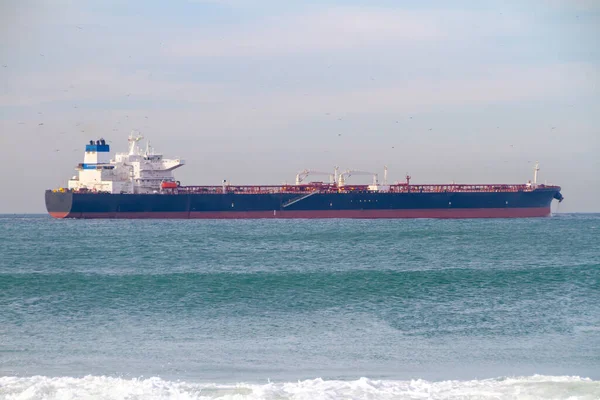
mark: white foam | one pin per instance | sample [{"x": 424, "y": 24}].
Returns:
[{"x": 101, "y": 387}]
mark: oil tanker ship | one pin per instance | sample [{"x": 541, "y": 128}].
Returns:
[{"x": 141, "y": 184}]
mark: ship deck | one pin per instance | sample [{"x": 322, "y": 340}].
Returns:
[{"x": 333, "y": 188}]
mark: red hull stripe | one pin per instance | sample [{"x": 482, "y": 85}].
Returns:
[
  {"x": 59, "y": 214},
  {"x": 428, "y": 213}
]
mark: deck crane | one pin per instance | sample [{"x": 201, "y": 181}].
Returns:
[
  {"x": 349, "y": 172},
  {"x": 303, "y": 174}
]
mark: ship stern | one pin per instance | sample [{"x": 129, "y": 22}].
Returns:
[{"x": 59, "y": 203}]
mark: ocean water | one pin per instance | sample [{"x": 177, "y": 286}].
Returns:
[{"x": 300, "y": 309}]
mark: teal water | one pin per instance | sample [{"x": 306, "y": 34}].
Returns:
[{"x": 324, "y": 302}]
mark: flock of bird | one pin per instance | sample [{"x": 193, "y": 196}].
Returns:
[
  {"x": 146, "y": 117},
  {"x": 512, "y": 146}
]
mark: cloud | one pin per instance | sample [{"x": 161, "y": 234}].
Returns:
[
  {"x": 336, "y": 29},
  {"x": 103, "y": 84},
  {"x": 578, "y": 5},
  {"x": 498, "y": 86},
  {"x": 395, "y": 94}
]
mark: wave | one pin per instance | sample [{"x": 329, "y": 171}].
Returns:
[{"x": 103, "y": 387}]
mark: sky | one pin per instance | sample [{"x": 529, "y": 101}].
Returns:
[{"x": 255, "y": 91}]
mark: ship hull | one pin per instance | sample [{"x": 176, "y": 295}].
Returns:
[{"x": 289, "y": 205}]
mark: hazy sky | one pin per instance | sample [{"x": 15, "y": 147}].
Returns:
[{"x": 254, "y": 91}]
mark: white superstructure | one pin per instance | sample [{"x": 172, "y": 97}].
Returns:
[{"x": 138, "y": 171}]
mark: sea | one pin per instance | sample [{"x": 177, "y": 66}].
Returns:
[{"x": 300, "y": 309}]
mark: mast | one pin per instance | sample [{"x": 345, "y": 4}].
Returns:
[
  {"x": 133, "y": 140},
  {"x": 535, "y": 172},
  {"x": 336, "y": 172},
  {"x": 385, "y": 175}
]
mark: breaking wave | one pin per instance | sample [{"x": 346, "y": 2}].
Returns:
[{"x": 102, "y": 387}]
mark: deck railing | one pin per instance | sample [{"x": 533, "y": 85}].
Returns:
[{"x": 330, "y": 188}]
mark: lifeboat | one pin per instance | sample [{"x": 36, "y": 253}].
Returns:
[{"x": 168, "y": 185}]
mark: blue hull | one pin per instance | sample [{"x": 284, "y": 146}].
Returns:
[{"x": 534, "y": 203}]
